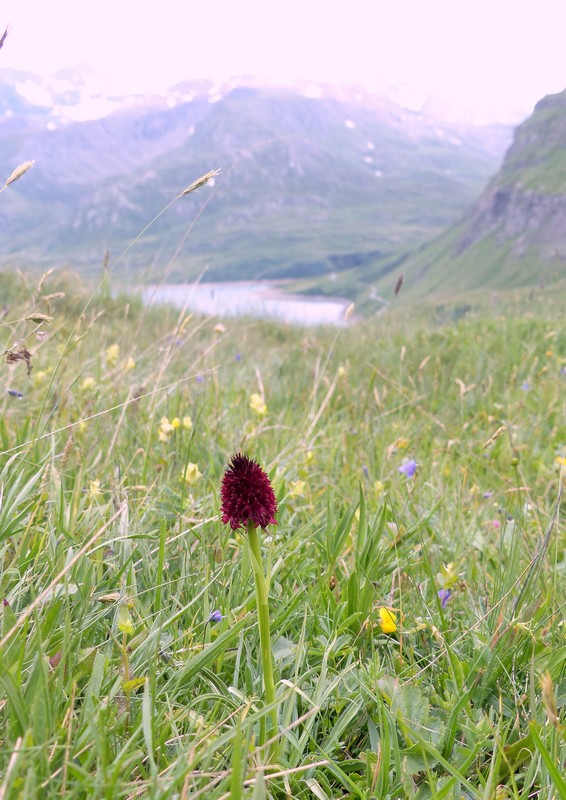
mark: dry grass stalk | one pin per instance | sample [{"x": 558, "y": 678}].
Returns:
[
  {"x": 18, "y": 172},
  {"x": 202, "y": 181},
  {"x": 3, "y": 38}
]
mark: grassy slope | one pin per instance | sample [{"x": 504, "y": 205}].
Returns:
[
  {"x": 537, "y": 159},
  {"x": 534, "y": 165},
  {"x": 111, "y": 683}
]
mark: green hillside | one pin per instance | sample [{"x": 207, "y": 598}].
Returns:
[
  {"x": 416, "y": 570},
  {"x": 515, "y": 235}
]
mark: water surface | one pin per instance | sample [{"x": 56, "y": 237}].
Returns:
[{"x": 249, "y": 298}]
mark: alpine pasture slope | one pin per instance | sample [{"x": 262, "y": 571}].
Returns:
[
  {"x": 415, "y": 577},
  {"x": 416, "y": 572}
]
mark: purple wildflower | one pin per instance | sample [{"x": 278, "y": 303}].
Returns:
[
  {"x": 15, "y": 393},
  {"x": 526, "y": 386},
  {"x": 444, "y": 596},
  {"x": 247, "y": 495},
  {"x": 216, "y": 616},
  {"x": 487, "y": 495},
  {"x": 408, "y": 468}
]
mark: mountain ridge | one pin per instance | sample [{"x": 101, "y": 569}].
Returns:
[
  {"x": 306, "y": 184},
  {"x": 515, "y": 233}
]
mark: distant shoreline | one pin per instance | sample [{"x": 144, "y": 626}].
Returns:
[{"x": 264, "y": 299}]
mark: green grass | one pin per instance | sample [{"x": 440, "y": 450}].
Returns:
[{"x": 113, "y": 685}]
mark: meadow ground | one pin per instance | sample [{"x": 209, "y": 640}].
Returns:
[{"x": 417, "y": 571}]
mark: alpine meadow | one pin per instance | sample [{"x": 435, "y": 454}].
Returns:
[{"x": 241, "y": 558}]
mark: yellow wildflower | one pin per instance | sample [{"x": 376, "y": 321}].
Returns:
[
  {"x": 187, "y": 423},
  {"x": 165, "y": 425},
  {"x": 309, "y": 458},
  {"x": 165, "y": 429},
  {"x": 112, "y": 355},
  {"x": 257, "y": 404},
  {"x": 387, "y": 620},
  {"x": 124, "y": 620},
  {"x": 130, "y": 364},
  {"x": 297, "y": 489},
  {"x": 448, "y": 577},
  {"x": 94, "y": 490},
  {"x": 175, "y": 423},
  {"x": 88, "y": 384},
  {"x": 560, "y": 461},
  {"x": 191, "y": 473},
  {"x": 219, "y": 328}
]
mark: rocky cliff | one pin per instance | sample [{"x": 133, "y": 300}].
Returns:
[
  {"x": 515, "y": 233},
  {"x": 525, "y": 204}
]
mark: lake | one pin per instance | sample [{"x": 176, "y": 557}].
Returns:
[{"x": 249, "y": 298}]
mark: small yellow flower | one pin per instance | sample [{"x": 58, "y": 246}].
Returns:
[
  {"x": 448, "y": 577},
  {"x": 191, "y": 473},
  {"x": 88, "y": 384},
  {"x": 341, "y": 371},
  {"x": 257, "y": 404},
  {"x": 187, "y": 423},
  {"x": 175, "y": 423},
  {"x": 165, "y": 425},
  {"x": 297, "y": 489},
  {"x": 560, "y": 461},
  {"x": 112, "y": 355},
  {"x": 130, "y": 364},
  {"x": 124, "y": 620},
  {"x": 378, "y": 487},
  {"x": 219, "y": 328},
  {"x": 94, "y": 490},
  {"x": 402, "y": 443},
  {"x": 40, "y": 376},
  {"x": 309, "y": 458},
  {"x": 387, "y": 620},
  {"x": 165, "y": 429}
]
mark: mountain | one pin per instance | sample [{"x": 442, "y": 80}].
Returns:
[
  {"x": 515, "y": 234},
  {"x": 314, "y": 180}
]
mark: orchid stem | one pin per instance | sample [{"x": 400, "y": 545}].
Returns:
[{"x": 264, "y": 631}]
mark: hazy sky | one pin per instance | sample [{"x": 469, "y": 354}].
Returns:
[{"x": 482, "y": 56}]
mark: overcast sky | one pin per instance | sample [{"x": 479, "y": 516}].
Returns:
[{"x": 484, "y": 57}]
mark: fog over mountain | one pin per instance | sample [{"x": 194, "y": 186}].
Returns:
[{"x": 314, "y": 179}]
